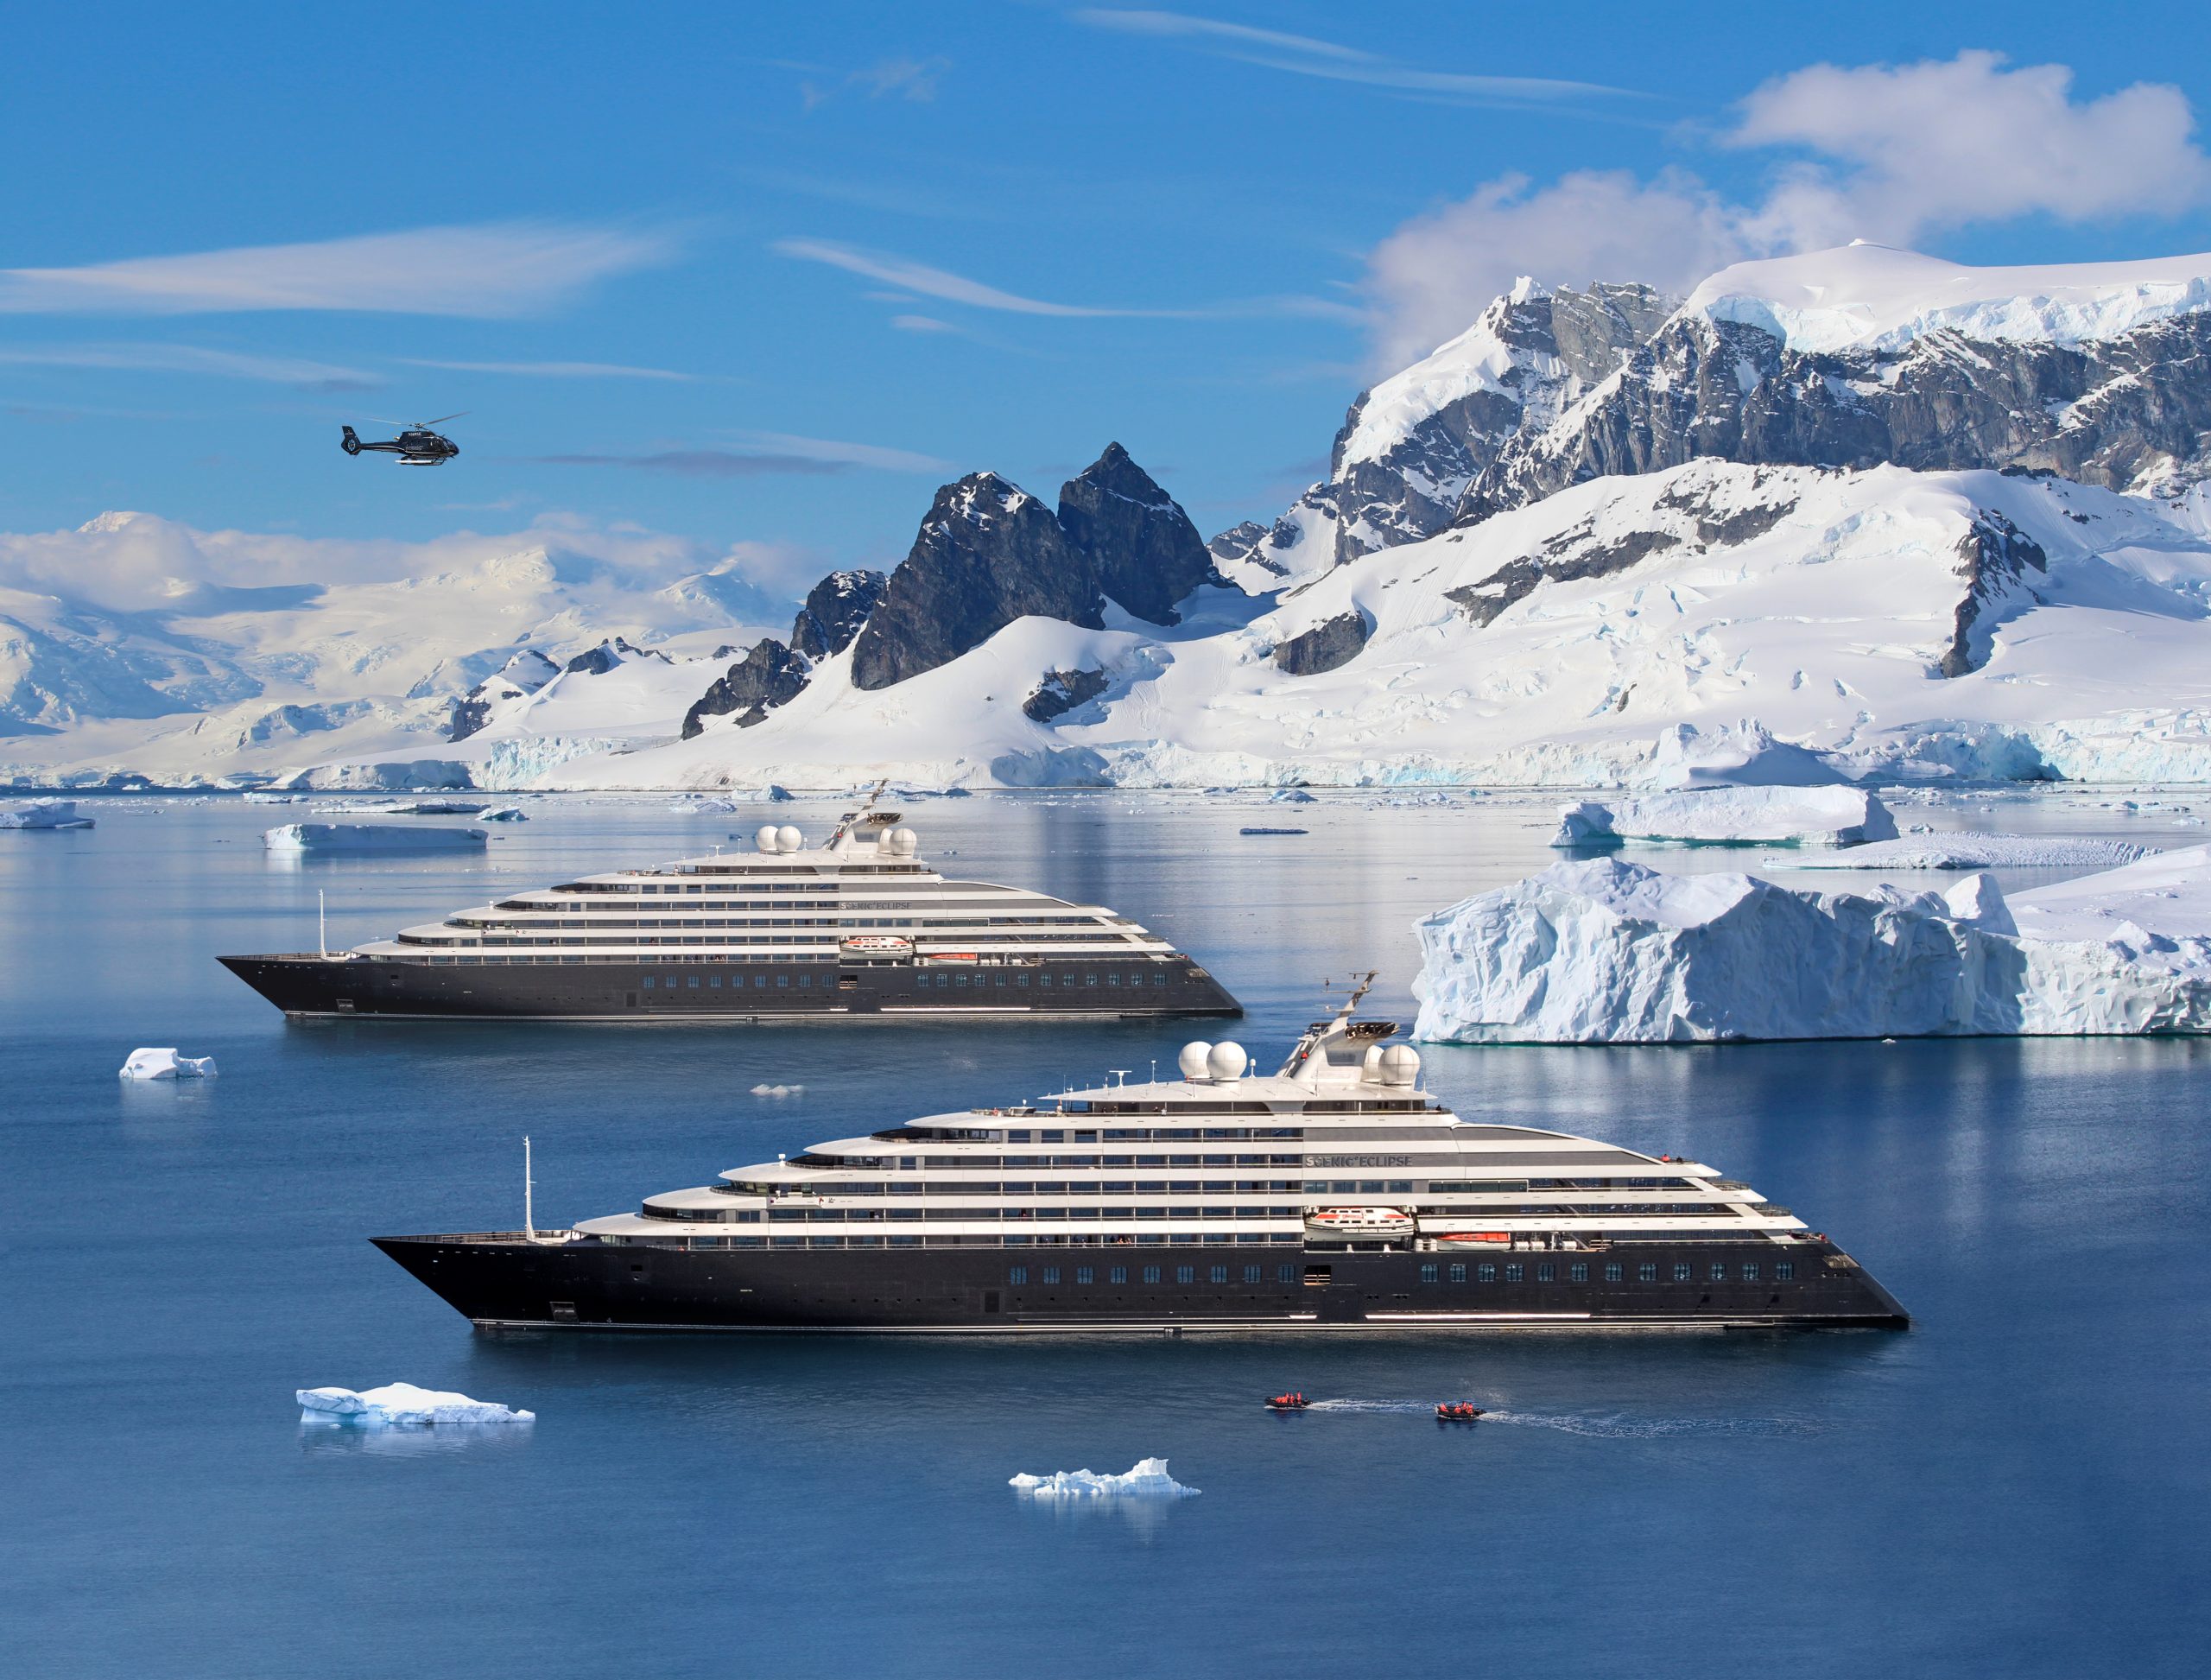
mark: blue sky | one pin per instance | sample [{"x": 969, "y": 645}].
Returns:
[{"x": 767, "y": 275}]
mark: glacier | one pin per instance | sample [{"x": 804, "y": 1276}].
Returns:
[
  {"x": 1147, "y": 1479},
  {"x": 401, "y": 1404},
  {"x": 1606, "y": 951}
]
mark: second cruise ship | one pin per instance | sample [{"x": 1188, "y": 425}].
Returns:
[{"x": 857, "y": 925}]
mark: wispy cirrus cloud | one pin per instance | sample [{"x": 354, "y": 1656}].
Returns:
[
  {"x": 1305, "y": 56},
  {"x": 925, "y": 279},
  {"x": 489, "y": 270},
  {"x": 556, "y": 370},
  {"x": 763, "y": 454},
  {"x": 191, "y": 358}
]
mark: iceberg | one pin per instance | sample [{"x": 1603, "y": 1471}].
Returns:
[
  {"x": 320, "y": 839},
  {"x": 1148, "y": 1479},
  {"x": 45, "y": 813},
  {"x": 764, "y": 1090},
  {"x": 504, "y": 814},
  {"x": 165, "y": 1064},
  {"x": 1604, "y": 952},
  {"x": 1731, "y": 816},
  {"x": 1973, "y": 852},
  {"x": 1743, "y": 755},
  {"x": 401, "y": 1404}
]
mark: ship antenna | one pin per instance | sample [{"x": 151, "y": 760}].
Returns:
[
  {"x": 1120, "y": 1076},
  {"x": 529, "y": 1211},
  {"x": 322, "y": 925}
]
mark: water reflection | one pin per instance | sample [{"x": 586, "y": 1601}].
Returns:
[{"x": 411, "y": 1440}]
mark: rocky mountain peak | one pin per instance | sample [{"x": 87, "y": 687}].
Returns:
[
  {"x": 834, "y": 612},
  {"x": 1147, "y": 553}
]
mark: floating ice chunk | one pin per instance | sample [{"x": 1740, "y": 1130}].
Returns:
[
  {"x": 1289, "y": 796},
  {"x": 777, "y": 1090},
  {"x": 1610, "y": 952},
  {"x": 1731, "y": 816},
  {"x": 165, "y": 1064},
  {"x": 1147, "y": 1479},
  {"x": 504, "y": 814},
  {"x": 1924, "y": 849},
  {"x": 259, "y": 797},
  {"x": 1742, "y": 756},
  {"x": 320, "y": 838},
  {"x": 45, "y": 813},
  {"x": 401, "y": 1404}
]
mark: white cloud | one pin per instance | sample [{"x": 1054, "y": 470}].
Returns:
[
  {"x": 855, "y": 454},
  {"x": 1896, "y": 154},
  {"x": 495, "y": 269},
  {"x": 554, "y": 370},
  {"x": 909, "y": 79},
  {"x": 1305, "y": 56},
  {"x": 764, "y": 454},
  {"x": 191, "y": 358}
]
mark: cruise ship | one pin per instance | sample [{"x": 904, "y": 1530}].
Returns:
[
  {"x": 855, "y": 926},
  {"x": 1336, "y": 1194}
]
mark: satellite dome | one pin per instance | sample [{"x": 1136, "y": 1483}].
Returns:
[
  {"x": 765, "y": 839},
  {"x": 1227, "y": 1060},
  {"x": 905, "y": 840},
  {"x": 1400, "y": 1064},
  {"x": 1192, "y": 1061},
  {"x": 1370, "y": 1066},
  {"x": 788, "y": 839}
]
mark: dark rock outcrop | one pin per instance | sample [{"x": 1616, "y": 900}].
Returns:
[
  {"x": 1332, "y": 643},
  {"x": 1994, "y": 557},
  {"x": 988, "y": 553},
  {"x": 2126, "y": 412},
  {"x": 597, "y": 662},
  {"x": 1146, "y": 554},
  {"x": 770, "y": 675},
  {"x": 524, "y": 674},
  {"x": 835, "y": 609},
  {"x": 1061, "y": 692}
]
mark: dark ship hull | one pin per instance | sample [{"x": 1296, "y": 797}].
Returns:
[
  {"x": 351, "y": 987},
  {"x": 502, "y": 1280}
]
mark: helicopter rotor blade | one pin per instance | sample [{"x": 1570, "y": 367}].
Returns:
[{"x": 442, "y": 418}]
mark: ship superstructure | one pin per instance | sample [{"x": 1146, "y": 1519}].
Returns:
[
  {"x": 856, "y": 925},
  {"x": 1335, "y": 1192}
]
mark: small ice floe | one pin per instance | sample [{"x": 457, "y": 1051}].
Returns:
[
  {"x": 165, "y": 1064},
  {"x": 1271, "y": 831},
  {"x": 504, "y": 814},
  {"x": 1289, "y": 796},
  {"x": 258, "y": 796},
  {"x": 1147, "y": 1479},
  {"x": 45, "y": 813},
  {"x": 777, "y": 1090},
  {"x": 330, "y": 838},
  {"x": 401, "y": 1404}
]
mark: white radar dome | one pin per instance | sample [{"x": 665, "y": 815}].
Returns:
[
  {"x": 904, "y": 839},
  {"x": 766, "y": 838},
  {"x": 1227, "y": 1060},
  {"x": 788, "y": 839},
  {"x": 1400, "y": 1064},
  {"x": 1370, "y": 1066},
  {"x": 1192, "y": 1061}
]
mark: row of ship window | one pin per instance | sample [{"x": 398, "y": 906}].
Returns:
[
  {"x": 942, "y": 977},
  {"x": 1577, "y": 1272},
  {"x": 963, "y": 924}
]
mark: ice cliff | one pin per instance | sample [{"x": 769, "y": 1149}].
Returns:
[{"x": 1610, "y": 952}]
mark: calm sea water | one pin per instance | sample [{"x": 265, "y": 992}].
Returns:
[{"x": 2020, "y": 1486}]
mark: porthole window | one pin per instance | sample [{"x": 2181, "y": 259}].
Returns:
[
  {"x": 1750, "y": 1272},
  {"x": 1428, "y": 1274},
  {"x": 1720, "y": 1271},
  {"x": 1185, "y": 1274},
  {"x": 1051, "y": 1274},
  {"x": 1458, "y": 1274},
  {"x": 1647, "y": 1272},
  {"x": 1251, "y": 1274},
  {"x": 1546, "y": 1273},
  {"x": 1514, "y": 1273},
  {"x": 1118, "y": 1275},
  {"x": 1784, "y": 1270},
  {"x": 1578, "y": 1272},
  {"x": 1612, "y": 1271},
  {"x": 1285, "y": 1274},
  {"x": 1485, "y": 1273},
  {"x": 1019, "y": 1275},
  {"x": 1682, "y": 1269},
  {"x": 1220, "y": 1274},
  {"x": 1082, "y": 1274},
  {"x": 1152, "y": 1274}
]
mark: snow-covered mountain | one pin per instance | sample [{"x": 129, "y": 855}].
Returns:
[{"x": 1918, "y": 519}]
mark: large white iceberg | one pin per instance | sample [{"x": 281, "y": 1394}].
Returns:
[
  {"x": 157, "y": 1063},
  {"x": 1610, "y": 952},
  {"x": 1148, "y": 1479},
  {"x": 321, "y": 838},
  {"x": 1731, "y": 816},
  {"x": 404, "y": 1404},
  {"x": 1743, "y": 755},
  {"x": 45, "y": 813}
]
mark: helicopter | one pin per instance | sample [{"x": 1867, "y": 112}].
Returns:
[{"x": 415, "y": 446}]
